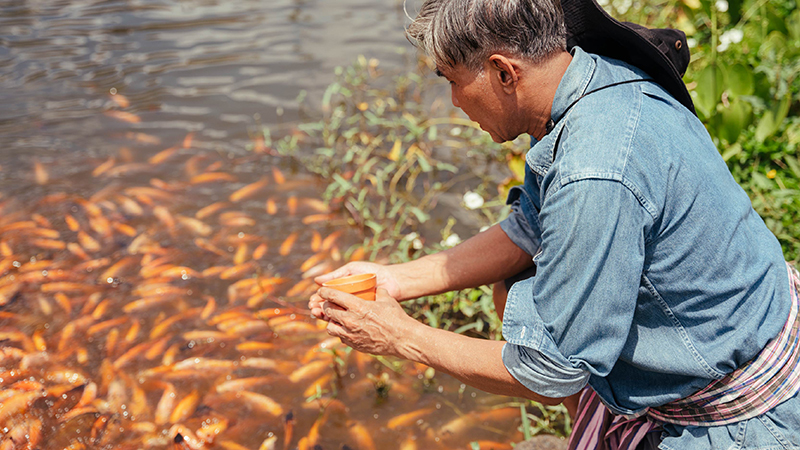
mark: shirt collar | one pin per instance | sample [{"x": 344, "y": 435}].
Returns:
[{"x": 573, "y": 84}]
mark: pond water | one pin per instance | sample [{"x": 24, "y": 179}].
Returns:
[{"x": 155, "y": 257}]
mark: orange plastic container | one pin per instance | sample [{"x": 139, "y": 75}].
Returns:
[{"x": 362, "y": 286}]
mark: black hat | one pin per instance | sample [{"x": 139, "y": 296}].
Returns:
[{"x": 662, "y": 53}]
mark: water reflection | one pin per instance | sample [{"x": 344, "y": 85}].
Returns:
[{"x": 155, "y": 260}]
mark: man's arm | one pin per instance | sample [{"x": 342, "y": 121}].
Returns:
[
  {"x": 485, "y": 258},
  {"x": 382, "y": 328}
]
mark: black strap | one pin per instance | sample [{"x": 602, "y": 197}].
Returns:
[{"x": 551, "y": 124}]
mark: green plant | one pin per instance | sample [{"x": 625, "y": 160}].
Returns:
[{"x": 743, "y": 78}]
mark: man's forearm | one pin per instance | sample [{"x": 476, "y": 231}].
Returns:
[
  {"x": 486, "y": 258},
  {"x": 476, "y": 362}
]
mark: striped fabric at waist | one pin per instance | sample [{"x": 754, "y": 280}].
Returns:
[{"x": 758, "y": 386}]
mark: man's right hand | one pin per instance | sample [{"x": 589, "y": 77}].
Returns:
[{"x": 385, "y": 279}]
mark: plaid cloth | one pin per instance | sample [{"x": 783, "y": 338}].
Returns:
[
  {"x": 597, "y": 428},
  {"x": 751, "y": 390}
]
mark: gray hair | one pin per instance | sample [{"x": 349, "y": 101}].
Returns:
[{"x": 466, "y": 32}]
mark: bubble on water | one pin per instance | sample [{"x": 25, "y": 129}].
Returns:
[
  {"x": 191, "y": 344},
  {"x": 241, "y": 235},
  {"x": 112, "y": 91},
  {"x": 184, "y": 277},
  {"x": 109, "y": 280},
  {"x": 33, "y": 259},
  {"x": 17, "y": 264},
  {"x": 438, "y": 406},
  {"x": 44, "y": 273},
  {"x": 352, "y": 375},
  {"x": 473, "y": 395},
  {"x": 374, "y": 416},
  {"x": 440, "y": 389}
]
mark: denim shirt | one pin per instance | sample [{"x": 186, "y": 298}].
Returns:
[{"x": 655, "y": 276}]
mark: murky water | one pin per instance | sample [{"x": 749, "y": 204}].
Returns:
[{"x": 155, "y": 261}]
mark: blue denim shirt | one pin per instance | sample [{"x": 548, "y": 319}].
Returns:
[{"x": 655, "y": 276}]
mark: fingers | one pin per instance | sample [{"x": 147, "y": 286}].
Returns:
[
  {"x": 382, "y": 295},
  {"x": 344, "y": 300},
  {"x": 338, "y": 273}
]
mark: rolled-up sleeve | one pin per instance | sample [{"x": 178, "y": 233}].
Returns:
[
  {"x": 571, "y": 321},
  {"x": 522, "y": 224}
]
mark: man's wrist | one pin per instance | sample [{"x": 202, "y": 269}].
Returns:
[{"x": 408, "y": 345}]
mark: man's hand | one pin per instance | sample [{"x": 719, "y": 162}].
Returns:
[
  {"x": 370, "y": 327},
  {"x": 385, "y": 280}
]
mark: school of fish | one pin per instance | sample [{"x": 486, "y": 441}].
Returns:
[{"x": 166, "y": 309}]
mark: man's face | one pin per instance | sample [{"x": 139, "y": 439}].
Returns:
[{"x": 482, "y": 100}]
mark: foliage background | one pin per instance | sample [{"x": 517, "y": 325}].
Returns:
[{"x": 395, "y": 162}]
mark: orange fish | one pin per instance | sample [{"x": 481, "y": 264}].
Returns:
[
  {"x": 196, "y": 226},
  {"x": 241, "y": 254},
  {"x": 260, "y": 251},
  {"x": 49, "y": 244},
  {"x": 272, "y": 207},
  {"x": 40, "y": 173},
  {"x": 316, "y": 241},
  {"x": 211, "y": 177},
  {"x": 313, "y": 260},
  {"x": 120, "y": 100},
  {"x": 278, "y": 176},
  {"x": 288, "y": 243},
  {"x": 102, "y": 168},
  {"x": 211, "y": 209},
  {"x": 248, "y": 191},
  {"x": 291, "y": 203},
  {"x": 185, "y": 408},
  {"x": 163, "y": 155},
  {"x": 314, "y": 218}
]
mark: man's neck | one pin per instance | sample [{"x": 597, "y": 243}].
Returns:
[{"x": 542, "y": 83}]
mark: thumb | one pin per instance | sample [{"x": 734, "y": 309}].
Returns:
[
  {"x": 382, "y": 295},
  {"x": 338, "y": 273}
]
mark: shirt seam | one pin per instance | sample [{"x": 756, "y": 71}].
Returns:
[
  {"x": 678, "y": 326},
  {"x": 606, "y": 176}
]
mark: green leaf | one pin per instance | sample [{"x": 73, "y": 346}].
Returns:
[
  {"x": 772, "y": 119},
  {"x": 734, "y": 119},
  {"x": 423, "y": 162},
  {"x": 710, "y": 83},
  {"x": 741, "y": 80},
  {"x": 467, "y": 327},
  {"x": 735, "y": 10},
  {"x": 732, "y": 151}
]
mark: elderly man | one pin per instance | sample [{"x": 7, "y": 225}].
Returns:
[{"x": 659, "y": 293}]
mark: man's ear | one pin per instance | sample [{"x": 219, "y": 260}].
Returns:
[{"x": 506, "y": 72}]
